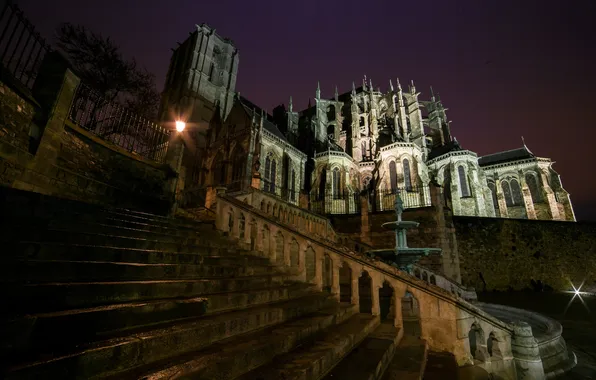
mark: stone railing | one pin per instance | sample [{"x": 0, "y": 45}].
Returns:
[
  {"x": 555, "y": 357},
  {"x": 444, "y": 320},
  {"x": 285, "y": 212},
  {"x": 444, "y": 283}
]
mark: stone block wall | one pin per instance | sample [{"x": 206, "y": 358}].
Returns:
[
  {"x": 67, "y": 161},
  {"x": 502, "y": 254},
  {"x": 16, "y": 116}
]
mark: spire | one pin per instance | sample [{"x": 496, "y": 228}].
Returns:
[
  {"x": 391, "y": 85},
  {"x": 398, "y": 85},
  {"x": 412, "y": 88},
  {"x": 318, "y": 90},
  {"x": 336, "y": 94},
  {"x": 432, "y": 94},
  {"x": 371, "y": 86},
  {"x": 353, "y": 88},
  {"x": 254, "y": 113},
  {"x": 525, "y": 146},
  {"x": 364, "y": 83},
  {"x": 290, "y": 105}
]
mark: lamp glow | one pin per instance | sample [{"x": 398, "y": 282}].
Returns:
[{"x": 180, "y": 125}]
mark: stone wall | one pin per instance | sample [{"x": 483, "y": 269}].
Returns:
[
  {"x": 502, "y": 254},
  {"x": 42, "y": 151}
]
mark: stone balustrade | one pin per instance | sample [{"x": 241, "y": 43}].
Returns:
[
  {"x": 444, "y": 283},
  {"x": 285, "y": 212},
  {"x": 419, "y": 308}
]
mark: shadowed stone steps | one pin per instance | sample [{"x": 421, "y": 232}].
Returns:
[
  {"x": 409, "y": 360},
  {"x": 91, "y": 323},
  {"x": 56, "y": 296},
  {"x": 134, "y": 350},
  {"x": 204, "y": 254},
  {"x": 370, "y": 359},
  {"x": 315, "y": 359},
  {"x": 39, "y": 271},
  {"x": 233, "y": 357}
]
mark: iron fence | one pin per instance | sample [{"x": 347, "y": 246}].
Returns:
[
  {"x": 289, "y": 195},
  {"x": 118, "y": 125},
  {"x": 350, "y": 202},
  {"x": 21, "y": 47}
]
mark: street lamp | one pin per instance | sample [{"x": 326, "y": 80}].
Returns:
[{"x": 180, "y": 125}]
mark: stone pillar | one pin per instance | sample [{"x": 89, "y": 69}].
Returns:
[
  {"x": 355, "y": 291},
  {"x": 528, "y": 201},
  {"x": 54, "y": 89},
  {"x": 364, "y": 220},
  {"x": 526, "y": 355},
  {"x": 455, "y": 192},
  {"x": 336, "y": 265},
  {"x": 502, "y": 203},
  {"x": 399, "y": 319},
  {"x": 375, "y": 286},
  {"x": 256, "y": 181}
]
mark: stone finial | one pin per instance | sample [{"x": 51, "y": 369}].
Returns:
[
  {"x": 353, "y": 88},
  {"x": 391, "y": 85},
  {"x": 432, "y": 94},
  {"x": 290, "y": 105},
  {"x": 336, "y": 93},
  {"x": 412, "y": 88},
  {"x": 318, "y": 90},
  {"x": 398, "y": 85},
  {"x": 370, "y": 83},
  {"x": 254, "y": 113}
]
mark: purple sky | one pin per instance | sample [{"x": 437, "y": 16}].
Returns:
[{"x": 504, "y": 68}]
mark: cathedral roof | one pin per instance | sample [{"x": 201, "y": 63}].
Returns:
[
  {"x": 506, "y": 156},
  {"x": 251, "y": 109},
  {"x": 451, "y": 146}
]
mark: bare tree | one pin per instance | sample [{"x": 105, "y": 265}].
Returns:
[{"x": 100, "y": 64}]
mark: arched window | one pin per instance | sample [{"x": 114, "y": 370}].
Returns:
[
  {"x": 532, "y": 182},
  {"x": 273, "y": 175},
  {"x": 267, "y": 171},
  {"x": 238, "y": 166},
  {"x": 507, "y": 193},
  {"x": 407, "y": 176},
  {"x": 362, "y": 123},
  {"x": 219, "y": 170},
  {"x": 336, "y": 183},
  {"x": 331, "y": 113},
  {"x": 293, "y": 185},
  {"x": 516, "y": 193},
  {"x": 463, "y": 181},
  {"x": 493, "y": 191},
  {"x": 393, "y": 175}
]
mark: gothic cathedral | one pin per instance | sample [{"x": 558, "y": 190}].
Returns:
[{"x": 363, "y": 141}]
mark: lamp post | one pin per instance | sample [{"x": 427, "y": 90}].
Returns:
[{"x": 174, "y": 160}]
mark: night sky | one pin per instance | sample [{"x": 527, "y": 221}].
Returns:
[{"x": 504, "y": 69}]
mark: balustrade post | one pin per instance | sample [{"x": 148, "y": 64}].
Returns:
[{"x": 335, "y": 288}]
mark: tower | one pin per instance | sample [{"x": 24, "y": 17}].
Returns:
[{"x": 202, "y": 74}]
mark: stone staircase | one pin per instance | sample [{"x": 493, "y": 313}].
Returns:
[{"x": 92, "y": 292}]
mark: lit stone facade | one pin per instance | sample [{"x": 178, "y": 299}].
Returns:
[{"x": 364, "y": 139}]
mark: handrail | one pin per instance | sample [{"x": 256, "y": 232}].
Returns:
[{"x": 373, "y": 264}]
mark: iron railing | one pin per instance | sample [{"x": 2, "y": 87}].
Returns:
[
  {"x": 21, "y": 47},
  {"x": 350, "y": 202},
  {"x": 118, "y": 125}
]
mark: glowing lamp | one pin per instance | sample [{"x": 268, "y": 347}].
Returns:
[{"x": 180, "y": 125}]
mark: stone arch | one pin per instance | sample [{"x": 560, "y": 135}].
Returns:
[
  {"x": 417, "y": 273},
  {"x": 230, "y": 222},
  {"x": 327, "y": 273},
  {"x": 266, "y": 235},
  {"x": 476, "y": 341},
  {"x": 241, "y": 226},
  {"x": 268, "y": 208},
  {"x": 279, "y": 247},
  {"x": 310, "y": 264},
  {"x": 345, "y": 283},
  {"x": 386, "y": 302},
  {"x": 253, "y": 234},
  {"x": 516, "y": 192},
  {"x": 294, "y": 254},
  {"x": 275, "y": 210},
  {"x": 263, "y": 205},
  {"x": 365, "y": 292},
  {"x": 424, "y": 276},
  {"x": 410, "y": 311},
  {"x": 433, "y": 279},
  {"x": 533, "y": 185},
  {"x": 492, "y": 346}
]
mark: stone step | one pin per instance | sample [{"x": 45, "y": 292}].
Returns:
[
  {"x": 203, "y": 253},
  {"x": 150, "y": 242},
  {"x": 234, "y": 357},
  {"x": 56, "y": 296},
  {"x": 409, "y": 360},
  {"x": 314, "y": 359},
  {"x": 43, "y": 330},
  {"x": 140, "y": 348},
  {"x": 370, "y": 359},
  {"x": 43, "y": 271}
]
